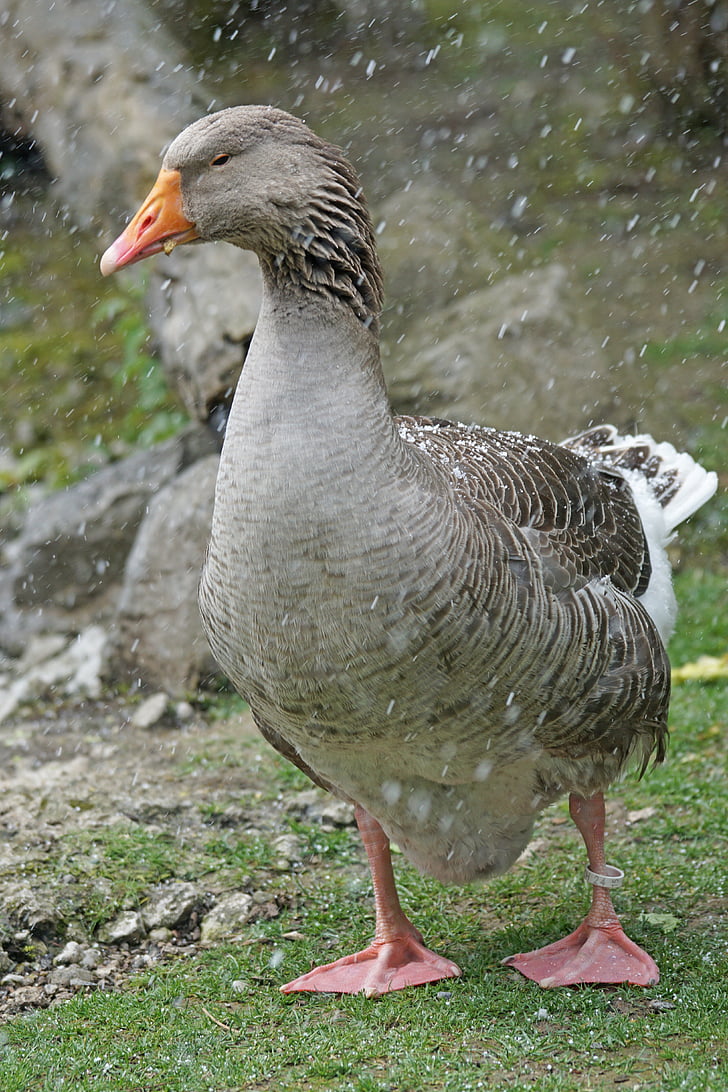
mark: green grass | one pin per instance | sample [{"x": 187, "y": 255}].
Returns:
[
  {"x": 112, "y": 868},
  {"x": 79, "y": 381},
  {"x": 216, "y": 1020}
]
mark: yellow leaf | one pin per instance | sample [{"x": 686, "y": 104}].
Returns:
[{"x": 704, "y": 668}]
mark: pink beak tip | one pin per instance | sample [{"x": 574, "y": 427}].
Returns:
[{"x": 109, "y": 261}]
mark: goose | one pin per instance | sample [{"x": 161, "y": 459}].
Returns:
[{"x": 447, "y": 625}]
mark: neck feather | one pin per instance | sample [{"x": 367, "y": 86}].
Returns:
[
  {"x": 330, "y": 249},
  {"x": 312, "y": 363}
]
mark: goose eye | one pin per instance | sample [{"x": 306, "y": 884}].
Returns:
[{"x": 219, "y": 160}]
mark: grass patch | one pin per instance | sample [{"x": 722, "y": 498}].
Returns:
[
  {"x": 81, "y": 385},
  {"x": 113, "y": 867},
  {"x": 186, "y": 1026}
]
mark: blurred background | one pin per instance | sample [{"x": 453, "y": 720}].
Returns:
[{"x": 548, "y": 183}]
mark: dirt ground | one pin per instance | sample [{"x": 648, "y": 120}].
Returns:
[{"x": 75, "y": 778}]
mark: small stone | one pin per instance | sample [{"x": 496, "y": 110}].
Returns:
[
  {"x": 28, "y": 997},
  {"x": 76, "y": 931},
  {"x": 162, "y": 935},
  {"x": 641, "y": 814},
  {"x": 335, "y": 811},
  {"x": 150, "y": 711},
  {"x": 73, "y": 952},
  {"x": 183, "y": 710},
  {"x": 127, "y": 926},
  {"x": 227, "y": 918},
  {"x": 82, "y": 978},
  {"x": 72, "y": 975},
  {"x": 170, "y": 905},
  {"x": 302, "y": 802},
  {"x": 319, "y": 807},
  {"x": 289, "y": 849}
]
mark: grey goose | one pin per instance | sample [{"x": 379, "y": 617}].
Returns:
[{"x": 447, "y": 625}]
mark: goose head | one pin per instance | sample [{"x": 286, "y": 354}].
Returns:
[{"x": 259, "y": 178}]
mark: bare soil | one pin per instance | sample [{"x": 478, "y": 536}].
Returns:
[{"x": 70, "y": 777}]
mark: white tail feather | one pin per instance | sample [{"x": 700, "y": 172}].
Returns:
[{"x": 668, "y": 486}]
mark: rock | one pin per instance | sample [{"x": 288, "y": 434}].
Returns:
[
  {"x": 423, "y": 227},
  {"x": 72, "y": 975},
  {"x": 32, "y": 911},
  {"x": 150, "y": 711},
  {"x": 28, "y": 997},
  {"x": 288, "y": 848},
  {"x": 75, "y": 671},
  {"x": 160, "y": 633},
  {"x": 161, "y": 935},
  {"x": 67, "y": 68},
  {"x": 91, "y": 959},
  {"x": 64, "y": 569},
  {"x": 266, "y": 906},
  {"x": 227, "y": 918},
  {"x": 315, "y": 806},
  {"x": 640, "y": 814},
  {"x": 74, "y": 929},
  {"x": 203, "y": 306},
  {"x": 126, "y": 927},
  {"x": 40, "y": 649},
  {"x": 73, "y": 952},
  {"x": 514, "y": 355},
  {"x": 170, "y": 905},
  {"x": 335, "y": 812}
]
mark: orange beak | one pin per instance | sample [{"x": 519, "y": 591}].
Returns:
[{"x": 160, "y": 224}]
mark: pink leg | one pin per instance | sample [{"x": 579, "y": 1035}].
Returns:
[
  {"x": 598, "y": 950},
  {"x": 396, "y": 957}
]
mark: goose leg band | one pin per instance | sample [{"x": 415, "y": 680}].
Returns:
[{"x": 613, "y": 877}]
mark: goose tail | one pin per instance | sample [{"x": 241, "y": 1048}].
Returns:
[
  {"x": 679, "y": 484},
  {"x": 668, "y": 486}
]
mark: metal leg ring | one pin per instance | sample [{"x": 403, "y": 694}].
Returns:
[{"x": 613, "y": 877}]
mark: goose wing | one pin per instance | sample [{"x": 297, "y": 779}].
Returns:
[{"x": 590, "y": 658}]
